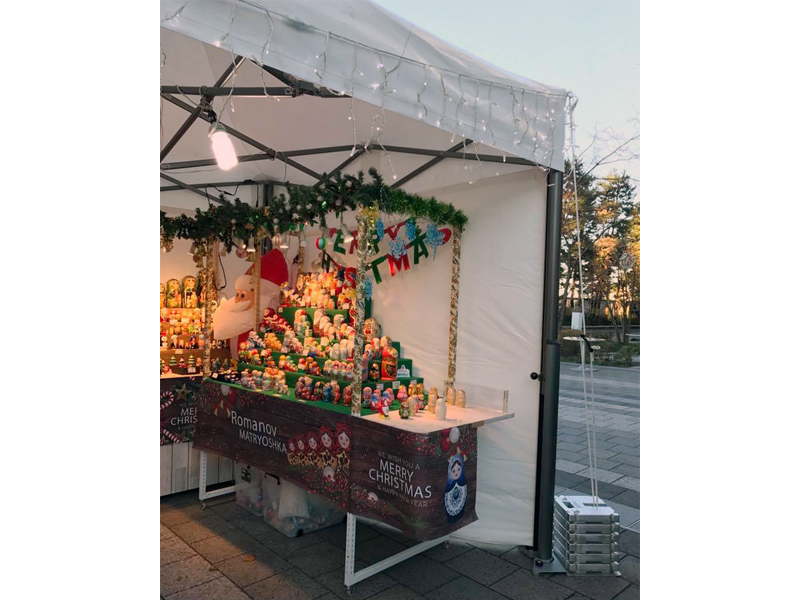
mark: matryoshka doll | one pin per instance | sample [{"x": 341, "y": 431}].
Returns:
[
  {"x": 461, "y": 398},
  {"x": 303, "y": 459},
  {"x": 163, "y": 296},
  {"x": 291, "y": 452},
  {"x": 342, "y": 446},
  {"x": 348, "y": 395},
  {"x": 388, "y": 361},
  {"x": 314, "y": 449},
  {"x": 326, "y": 451},
  {"x": 173, "y": 293},
  {"x": 190, "y": 299}
]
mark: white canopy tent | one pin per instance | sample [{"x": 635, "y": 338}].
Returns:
[{"x": 306, "y": 88}]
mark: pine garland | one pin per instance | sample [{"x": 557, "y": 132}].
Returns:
[{"x": 233, "y": 223}]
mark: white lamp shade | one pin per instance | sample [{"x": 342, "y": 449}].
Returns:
[{"x": 222, "y": 147}]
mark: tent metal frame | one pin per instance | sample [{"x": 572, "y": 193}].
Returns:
[{"x": 550, "y": 355}]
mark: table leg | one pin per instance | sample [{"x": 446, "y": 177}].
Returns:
[
  {"x": 351, "y": 576},
  {"x": 204, "y": 493}
]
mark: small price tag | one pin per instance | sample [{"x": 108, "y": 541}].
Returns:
[
  {"x": 280, "y": 309},
  {"x": 179, "y": 351},
  {"x": 395, "y": 385},
  {"x": 413, "y": 382},
  {"x": 213, "y": 376},
  {"x": 191, "y": 369},
  {"x": 379, "y": 387}
]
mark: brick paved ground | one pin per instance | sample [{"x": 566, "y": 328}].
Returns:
[{"x": 225, "y": 553}]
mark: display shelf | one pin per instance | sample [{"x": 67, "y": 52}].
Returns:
[
  {"x": 325, "y": 378},
  {"x": 287, "y": 312},
  {"x": 395, "y": 345},
  {"x": 339, "y": 408},
  {"x": 276, "y": 354},
  {"x": 425, "y": 422}
]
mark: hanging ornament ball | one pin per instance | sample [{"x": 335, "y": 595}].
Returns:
[
  {"x": 348, "y": 184},
  {"x": 321, "y": 243},
  {"x": 322, "y": 187},
  {"x": 319, "y": 198},
  {"x": 276, "y": 240},
  {"x": 276, "y": 220},
  {"x": 241, "y": 252}
]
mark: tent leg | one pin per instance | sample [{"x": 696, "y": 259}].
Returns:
[{"x": 549, "y": 375}]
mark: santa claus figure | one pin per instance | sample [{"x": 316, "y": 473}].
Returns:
[{"x": 234, "y": 319}]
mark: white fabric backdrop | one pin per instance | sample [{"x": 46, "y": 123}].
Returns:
[{"x": 499, "y": 332}]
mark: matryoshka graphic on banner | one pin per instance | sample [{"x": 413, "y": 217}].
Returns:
[{"x": 455, "y": 496}]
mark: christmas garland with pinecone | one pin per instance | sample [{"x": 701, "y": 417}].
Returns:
[{"x": 232, "y": 223}]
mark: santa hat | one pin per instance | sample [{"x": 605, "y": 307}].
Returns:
[{"x": 273, "y": 270}]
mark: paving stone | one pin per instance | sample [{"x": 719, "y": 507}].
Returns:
[
  {"x": 570, "y": 456},
  {"x": 441, "y": 553},
  {"x": 626, "y": 459},
  {"x": 392, "y": 533},
  {"x": 481, "y": 566},
  {"x": 629, "y": 542},
  {"x": 570, "y": 447},
  {"x": 249, "y": 523},
  {"x": 629, "y": 593},
  {"x": 287, "y": 585},
  {"x": 174, "y": 549},
  {"x": 199, "y": 529},
  {"x": 245, "y": 569},
  {"x": 334, "y": 581},
  {"x": 463, "y": 588},
  {"x": 318, "y": 558},
  {"x": 606, "y": 491},
  {"x": 572, "y": 439},
  {"x": 568, "y": 479},
  {"x": 377, "y": 549},
  {"x": 228, "y": 510},
  {"x": 496, "y": 549},
  {"x": 627, "y": 470},
  {"x": 629, "y": 567},
  {"x": 517, "y": 557},
  {"x": 602, "y": 463},
  {"x": 173, "y": 516},
  {"x": 421, "y": 574},
  {"x": 605, "y": 454},
  {"x": 628, "y": 498},
  {"x": 221, "y": 547},
  {"x": 569, "y": 466},
  {"x": 596, "y": 588},
  {"x": 523, "y": 585},
  {"x": 397, "y": 592},
  {"x": 186, "y": 573},
  {"x": 625, "y": 451},
  {"x": 632, "y": 483},
  {"x": 166, "y": 532},
  {"x": 600, "y": 474},
  {"x": 284, "y": 546},
  {"x": 217, "y": 589},
  {"x": 627, "y": 515},
  {"x": 337, "y": 535}
]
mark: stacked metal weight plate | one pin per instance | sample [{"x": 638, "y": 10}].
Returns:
[{"x": 586, "y": 536}]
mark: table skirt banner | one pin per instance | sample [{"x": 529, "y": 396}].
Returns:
[
  {"x": 423, "y": 484},
  {"x": 178, "y": 409}
]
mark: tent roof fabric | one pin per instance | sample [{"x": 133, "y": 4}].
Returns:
[{"x": 359, "y": 49}]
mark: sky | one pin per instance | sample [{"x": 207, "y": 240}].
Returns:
[{"x": 590, "y": 47}]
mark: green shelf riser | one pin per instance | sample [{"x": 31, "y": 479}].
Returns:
[
  {"x": 291, "y": 378},
  {"x": 338, "y": 408}
]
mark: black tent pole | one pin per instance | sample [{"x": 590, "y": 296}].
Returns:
[{"x": 548, "y": 376}]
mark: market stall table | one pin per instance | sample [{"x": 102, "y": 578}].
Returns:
[{"x": 417, "y": 474}]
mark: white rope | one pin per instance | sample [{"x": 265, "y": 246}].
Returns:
[{"x": 588, "y": 407}]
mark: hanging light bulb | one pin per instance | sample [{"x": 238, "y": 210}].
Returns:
[
  {"x": 284, "y": 242},
  {"x": 222, "y": 147},
  {"x": 251, "y": 245}
]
